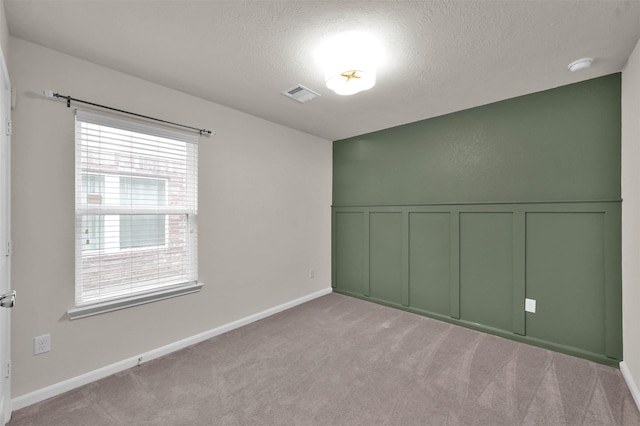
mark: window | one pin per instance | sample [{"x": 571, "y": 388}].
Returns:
[
  {"x": 136, "y": 209},
  {"x": 92, "y": 225},
  {"x": 134, "y": 230},
  {"x": 142, "y": 230}
]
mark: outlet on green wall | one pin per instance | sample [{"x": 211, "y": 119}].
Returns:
[{"x": 460, "y": 217}]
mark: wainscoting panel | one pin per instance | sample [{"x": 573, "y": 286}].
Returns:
[
  {"x": 430, "y": 262},
  {"x": 566, "y": 275},
  {"x": 474, "y": 264},
  {"x": 486, "y": 269},
  {"x": 350, "y": 252},
  {"x": 385, "y": 256}
]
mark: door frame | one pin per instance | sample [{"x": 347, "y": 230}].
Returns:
[{"x": 5, "y": 241}]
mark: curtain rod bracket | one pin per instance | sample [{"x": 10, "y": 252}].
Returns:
[{"x": 51, "y": 94}]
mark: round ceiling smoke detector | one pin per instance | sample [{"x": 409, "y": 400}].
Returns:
[{"x": 580, "y": 64}]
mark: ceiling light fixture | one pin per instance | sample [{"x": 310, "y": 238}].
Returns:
[
  {"x": 580, "y": 64},
  {"x": 349, "y": 61}
]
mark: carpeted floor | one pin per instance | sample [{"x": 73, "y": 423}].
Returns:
[{"x": 342, "y": 361}]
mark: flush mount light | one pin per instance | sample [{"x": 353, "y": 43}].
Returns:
[
  {"x": 349, "y": 61},
  {"x": 580, "y": 64}
]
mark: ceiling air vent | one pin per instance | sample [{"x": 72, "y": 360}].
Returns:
[{"x": 301, "y": 94}]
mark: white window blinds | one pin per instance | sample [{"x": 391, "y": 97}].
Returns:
[{"x": 136, "y": 208}]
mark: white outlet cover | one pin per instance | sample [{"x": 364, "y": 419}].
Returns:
[
  {"x": 530, "y": 305},
  {"x": 41, "y": 344}
]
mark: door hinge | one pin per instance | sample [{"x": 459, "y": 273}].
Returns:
[
  {"x": 8, "y": 252},
  {"x": 8, "y": 132},
  {"x": 7, "y": 371}
]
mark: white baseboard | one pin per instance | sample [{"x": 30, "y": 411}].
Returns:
[
  {"x": 75, "y": 382},
  {"x": 633, "y": 387}
]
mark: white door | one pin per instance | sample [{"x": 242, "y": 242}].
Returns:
[{"x": 5, "y": 244}]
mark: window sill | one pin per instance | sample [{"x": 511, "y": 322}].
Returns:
[{"x": 114, "y": 305}]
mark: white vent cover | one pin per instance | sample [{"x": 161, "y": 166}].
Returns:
[{"x": 301, "y": 94}]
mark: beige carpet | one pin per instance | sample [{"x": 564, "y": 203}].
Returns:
[{"x": 342, "y": 361}]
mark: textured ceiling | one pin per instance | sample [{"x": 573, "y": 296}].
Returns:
[{"x": 440, "y": 56}]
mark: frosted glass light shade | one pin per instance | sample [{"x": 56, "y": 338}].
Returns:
[
  {"x": 349, "y": 61},
  {"x": 351, "y": 82}
]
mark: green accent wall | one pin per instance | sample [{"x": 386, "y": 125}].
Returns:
[
  {"x": 461, "y": 217},
  {"x": 560, "y": 144}
]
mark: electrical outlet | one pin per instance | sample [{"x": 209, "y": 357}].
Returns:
[
  {"x": 530, "y": 305},
  {"x": 312, "y": 273},
  {"x": 41, "y": 344}
]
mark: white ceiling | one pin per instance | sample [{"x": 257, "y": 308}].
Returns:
[{"x": 441, "y": 56}]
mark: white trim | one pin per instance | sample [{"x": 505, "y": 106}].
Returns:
[
  {"x": 75, "y": 382},
  {"x": 5, "y": 73},
  {"x": 140, "y": 299},
  {"x": 5, "y": 119},
  {"x": 633, "y": 387}
]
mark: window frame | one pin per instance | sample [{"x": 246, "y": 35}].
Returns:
[{"x": 145, "y": 291}]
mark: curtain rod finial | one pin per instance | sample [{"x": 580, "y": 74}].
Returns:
[{"x": 48, "y": 93}]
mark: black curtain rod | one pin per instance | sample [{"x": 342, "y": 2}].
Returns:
[{"x": 51, "y": 94}]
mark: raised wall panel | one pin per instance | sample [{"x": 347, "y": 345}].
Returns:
[
  {"x": 429, "y": 261},
  {"x": 565, "y": 274},
  {"x": 349, "y": 256},
  {"x": 486, "y": 269},
  {"x": 385, "y": 256},
  {"x": 473, "y": 265}
]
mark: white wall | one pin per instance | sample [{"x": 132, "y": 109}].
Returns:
[
  {"x": 631, "y": 214},
  {"x": 264, "y": 218}
]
